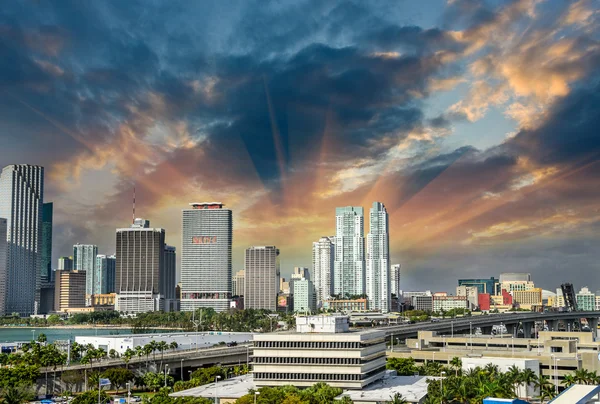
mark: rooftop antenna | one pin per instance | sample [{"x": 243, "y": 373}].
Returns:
[{"x": 133, "y": 215}]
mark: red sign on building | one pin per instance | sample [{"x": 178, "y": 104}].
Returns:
[{"x": 204, "y": 240}]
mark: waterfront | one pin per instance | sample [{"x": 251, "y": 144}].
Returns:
[{"x": 12, "y": 334}]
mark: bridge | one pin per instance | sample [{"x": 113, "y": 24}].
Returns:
[{"x": 485, "y": 322}]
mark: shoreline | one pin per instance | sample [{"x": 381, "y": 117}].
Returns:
[{"x": 88, "y": 326}]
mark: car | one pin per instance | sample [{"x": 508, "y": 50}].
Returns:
[
  {"x": 136, "y": 399},
  {"x": 233, "y": 343},
  {"x": 435, "y": 320}
]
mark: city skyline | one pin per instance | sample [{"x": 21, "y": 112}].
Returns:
[{"x": 473, "y": 122}]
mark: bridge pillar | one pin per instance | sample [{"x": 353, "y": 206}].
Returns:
[
  {"x": 511, "y": 329},
  {"x": 593, "y": 324},
  {"x": 527, "y": 325},
  {"x": 553, "y": 325},
  {"x": 570, "y": 325},
  {"x": 486, "y": 330}
]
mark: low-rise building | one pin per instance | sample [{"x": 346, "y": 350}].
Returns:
[
  {"x": 345, "y": 305},
  {"x": 69, "y": 292},
  {"x": 445, "y": 303},
  {"x": 323, "y": 350},
  {"x": 586, "y": 300},
  {"x": 472, "y": 295},
  {"x": 526, "y": 299},
  {"x": 424, "y": 303}
]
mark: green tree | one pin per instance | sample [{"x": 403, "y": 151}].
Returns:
[
  {"x": 90, "y": 397},
  {"x": 17, "y": 394},
  {"x": 42, "y": 338},
  {"x": 118, "y": 376},
  {"x": 398, "y": 399},
  {"x": 456, "y": 364},
  {"x": 54, "y": 319}
]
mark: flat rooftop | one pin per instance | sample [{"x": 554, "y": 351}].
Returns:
[
  {"x": 412, "y": 388},
  {"x": 235, "y": 387}
]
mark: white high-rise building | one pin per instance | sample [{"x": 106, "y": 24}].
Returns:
[
  {"x": 395, "y": 279},
  {"x": 323, "y": 257},
  {"x": 206, "y": 269},
  {"x": 378, "y": 259},
  {"x": 304, "y": 296},
  {"x": 21, "y": 201},
  {"x": 349, "y": 265},
  {"x": 3, "y": 245},
  {"x": 84, "y": 259}
]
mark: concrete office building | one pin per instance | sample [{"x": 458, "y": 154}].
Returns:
[
  {"x": 424, "y": 303},
  {"x": 349, "y": 264},
  {"x": 378, "y": 259},
  {"x": 526, "y": 299},
  {"x": 305, "y": 299},
  {"x": 3, "y": 248},
  {"x": 395, "y": 287},
  {"x": 472, "y": 295},
  {"x": 482, "y": 285},
  {"x": 21, "y": 202},
  {"x": 262, "y": 277},
  {"x": 446, "y": 303},
  {"x": 140, "y": 266},
  {"x": 65, "y": 263},
  {"x": 206, "y": 270},
  {"x": 69, "y": 290},
  {"x": 323, "y": 257},
  {"x": 322, "y": 350},
  {"x": 238, "y": 283},
  {"x": 170, "y": 279}
]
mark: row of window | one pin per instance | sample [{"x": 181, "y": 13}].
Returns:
[
  {"x": 311, "y": 361},
  {"x": 316, "y": 376},
  {"x": 309, "y": 345}
]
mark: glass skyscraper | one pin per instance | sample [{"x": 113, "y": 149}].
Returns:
[
  {"x": 21, "y": 201},
  {"x": 349, "y": 265},
  {"x": 206, "y": 269},
  {"x": 378, "y": 259},
  {"x": 47, "y": 213}
]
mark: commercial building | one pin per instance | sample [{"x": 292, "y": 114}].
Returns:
[
  {"x": 300, "y": 273},
  {"x": 482, "y": 285},
  {"x": 395, "y": 288},
  {"x": 69, "y": 290},
  {"x": 187, "y": 340},
  {"x": 170, "y": 276},
  {"x": 349, "y": 264},
  {"x": 237, "y": 283},
  {"x": 424, "y": 303},
  {"x": 446, "y": 303},
  {"x": 322, "y": 350},
  {"x": 140, "y": 276},
  {"x": 101, "y": 279},
  {"x": 262, "y": 277},
  {"x": 84, "y": 258},
  {"x": 514, "y": 281},
  {"x": 46, "y": 257},
  {"x": 323, "y": 257},
  {"x": 21, "y": 201},
  {"x": 472, "y": 295},
  {"x": 305, "y": 299},
  {"x": 206, "y": 256},
  {"x": 3, "y": 248},
  {"x": 586, "y": 300},
  {"x": 345, "y": 305},
  {"x": 527, "y": 299},
  {"x": 65, "y": 263},
  {"x": 378, "y": 259}
]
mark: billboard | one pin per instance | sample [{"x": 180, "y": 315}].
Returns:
[
  {"x": 204, "y": 240},
  {"x": 282, "y": 301}
]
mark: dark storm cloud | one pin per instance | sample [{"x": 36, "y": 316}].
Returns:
[{"x": 413, "y": 39}]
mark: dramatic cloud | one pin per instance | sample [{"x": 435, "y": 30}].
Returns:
[{"x": 476, "y": 126}]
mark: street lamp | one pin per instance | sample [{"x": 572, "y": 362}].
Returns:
[
  {"x": 256, "y": 393},
  {"x": 452, "y": 328},
  {"x": 556, "y": 360},
  {"x": 217, "y": 377},
  {"x": 471, "y": 335},
  {"x": 442, "y": 386},
  {"x": 128, "y": 392},
  {"x": 166, "y": 370}
]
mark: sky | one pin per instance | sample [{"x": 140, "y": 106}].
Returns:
[{"x": 474, "y": 122}]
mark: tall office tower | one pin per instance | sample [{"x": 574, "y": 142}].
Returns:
[
  {"x": 65, "y": 264},
  {"x": 323, "y": 256},
  {"x": 105, "y": 273},
  {"x": 378, "y": 259},
  {"x": 237, "y": 283},
  {"x": 206, "y": 256},
  {"x": 395, "y": 287},
  {"x": 47, "y": 213},
  {"x": 349, "y": 265},
  {"x": 140, "y": 268},
  {"x": 21, "y": 201},
  {"x": 170, "y": 276},
  {"x": 262, "y": 277},
  {"x": 305, "y": 298},
  {"x": 84, "y": 259},
  {"x": 3, "y": 246},
  {"x": 69, "y": 292}
]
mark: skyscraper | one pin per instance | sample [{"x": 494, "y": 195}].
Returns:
[
  {"x": 395, "y": 273},
  {"x": 206, "y": 256},
  {"x": 84, "y": 259},
  {"x": 323, "y": 257},
  {"x": 378, "y": 259},
  {"x": 104, "y": 274},
  {"x": 21, "y": 200},
  {"x": 140, "y": 268},
  {"x": 69, "y": 290},
  {"x": 238, "y": 283},
  {"x": 3, "y": 245},
  {"x": 65, "y": 264},
  {"x": 349, "y": 265},
  {"x": 262, "y": 277},
  {"x": 304, "y": 296},
  {"x": 170, "y": 276},
  {"x": 47, "y": 213}
]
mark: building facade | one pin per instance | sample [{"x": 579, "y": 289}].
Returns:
[
  {"x": 69, "y": 292},
  {"x": 3, "y": 248},
  {"x": 349, "y": 264},
  {"x": 482, "y": 285},
  {"x": 323, "y": 257},
  {"x": 586, "y": 300},
  {"x": 47, "y": 218},
  {"x": 527, "y": 298},
  {"x": 378, "y": 259},
  {"x": 446, "y": 303},
  {"x": 170, "y": 272},
  {"x": 345, "y": 305},
  {"x": 139, "y": 278},
  {"x": 472, "y": 295},
  {"x": 262, "y": 277},
  {"x": 348, "y": 360},
  {"x": 305, "y": 299},
  {"x": 21, "y": 202},
  {"x": 65, "y": 263},
  {"x": 424, "y": 303},
  {"x": 238, "y": 283},
  {"x": 84, "y": 257},
  {"x": 206, "y": 269},
  {"x": 104, "y": 277},
  {"x": 395, "y": 287}
]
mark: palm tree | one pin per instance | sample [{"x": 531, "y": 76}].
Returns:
[
  {"x": 528, "y": 376},
  {"x": 456, "y": 363},
  {"x": 398, "y": 399},
  {"x": 568, "y": 380},
  {"x": 173, "y": 345},
  {"x": 582, "y": 376},
  {"x": 514, "y": 376}
]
